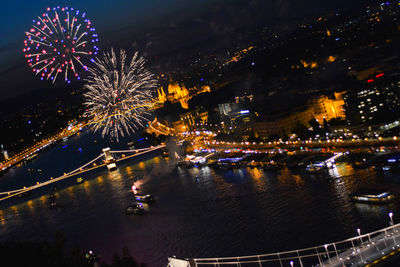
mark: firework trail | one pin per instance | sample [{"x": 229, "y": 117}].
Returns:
[
  {"x": 60, "y": 44},
  {"x": 119, "y": 93}
]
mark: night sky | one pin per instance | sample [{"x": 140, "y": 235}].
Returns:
[{"x": 120, "y": 23}]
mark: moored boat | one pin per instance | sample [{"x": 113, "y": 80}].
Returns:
[
  {"x": 134, "y": 209},
  {"x": 373, "y": 197},
  {"x": 145, "y": 198}
]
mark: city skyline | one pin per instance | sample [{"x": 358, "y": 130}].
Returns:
[{"x": 129, "y": 29}]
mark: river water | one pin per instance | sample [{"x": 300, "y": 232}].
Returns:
[{"x": 199, "y": 212}]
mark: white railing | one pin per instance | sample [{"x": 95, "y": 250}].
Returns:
[{"x": 358, "y": 251}]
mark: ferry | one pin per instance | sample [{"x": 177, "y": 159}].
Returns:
[
  {"x": 373, "y": 197},
  {"x": 135, "y": 209},
  {"x": 145, "y": 198},
  {"x": 79, "y": 180}
]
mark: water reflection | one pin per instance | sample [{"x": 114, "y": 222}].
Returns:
[
  {"x": 245, "y": 208},
  {"x": 100, "y": 181},
  {"x": 142, "y": 166},
  {"x": 129, "y": 170},
  {"x": 286, "y": 177},
  {"x": 30, "y": 205},
  {"x": 43, "y": 199},
  {"x": 86, "y": 186},
  {"x": 71, "y": 191},
  {"x": 257, "y": 178},
  {"x": 2, "y": 219}
]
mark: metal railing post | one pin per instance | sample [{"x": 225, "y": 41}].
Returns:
[
  {"x": 259, "y": 260},
  {"x": 384, "y": 239},
  {"x": 352, "y": 244},
  {"x": 361, "y": 258},
  {"x": 393, "y": 236},
  {"x": 337, "y": 254},
  {"x": 280, "y": 262},
  {"x": 327, "y": 253},
  {"x": 319, "y": 259},
  {"x": 298, "y": 255}
]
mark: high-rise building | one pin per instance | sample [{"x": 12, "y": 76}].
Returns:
[{"x": 373, "y": 104}]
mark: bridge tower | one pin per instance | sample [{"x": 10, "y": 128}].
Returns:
[
  {"x": 107, "y": 155},
  {"x": 110, "y": 161}
]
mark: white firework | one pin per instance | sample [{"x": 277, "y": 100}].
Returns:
[{"x": 119, "y": 94}]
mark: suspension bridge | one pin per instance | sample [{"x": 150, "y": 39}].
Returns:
[
  {"x": 105, "y": 158},
  {"x": 361, "y": 250}
]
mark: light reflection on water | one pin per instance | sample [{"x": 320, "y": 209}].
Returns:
[{"x": 202, "y": 212}]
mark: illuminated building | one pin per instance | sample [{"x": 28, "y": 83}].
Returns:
[
  {"x": 331, "y": 59},
  {"x": 176, "y": 93},
  {"x": 327, "y": 108},
  {"x": 226, "y": 108},
  {"x": 242, "y": 120},
  {"x": 161, "y": 95},
  {"x": 310, "y": 65},
  {"x": 179, "y": 93},
  {"x": 321, "y": 108},
  {"x": 159, "y": 128},
  {"x": 238, "y": 115},
  {"x": 243, "y": 99},
  {"x": 375, "y": 103},
  {"x": 191, "y": 120}
]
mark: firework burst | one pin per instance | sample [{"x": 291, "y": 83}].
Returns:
[
  {"x": 119, "y": 93},
  {"x": 60, "y": 43}
]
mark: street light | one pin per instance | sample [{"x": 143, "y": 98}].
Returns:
[
  {"x": 391, "y": 218},
  {"x": 291, "y": 263}
]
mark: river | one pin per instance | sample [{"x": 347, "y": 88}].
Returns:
[{"x": 199, "y": 212}]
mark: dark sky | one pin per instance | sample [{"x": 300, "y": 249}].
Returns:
[{"x": 121, "y": 22}]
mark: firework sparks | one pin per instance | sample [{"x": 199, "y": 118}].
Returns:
[
  {"x": 61, "y": 45},
  {"x": 119, "y": 93}
]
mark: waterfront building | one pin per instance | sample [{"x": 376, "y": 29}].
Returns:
[
  {"x": 192, "y": 118},
  {"x": 322, "y": 109}
]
